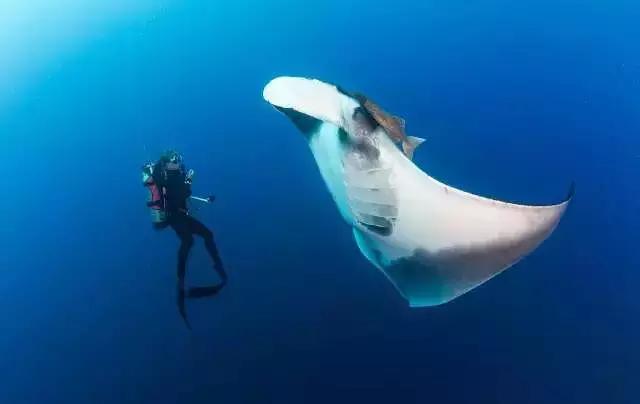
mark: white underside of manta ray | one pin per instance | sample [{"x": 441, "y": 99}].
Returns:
[{"x": 432, "y": 241}]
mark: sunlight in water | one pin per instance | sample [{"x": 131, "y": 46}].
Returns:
[{"x": 36, "y": 35}]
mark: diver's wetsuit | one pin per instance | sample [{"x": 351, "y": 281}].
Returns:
[{"x": 185, "y": 226}]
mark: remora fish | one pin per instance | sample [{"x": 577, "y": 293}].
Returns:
[{"x": 393, "y": 125}]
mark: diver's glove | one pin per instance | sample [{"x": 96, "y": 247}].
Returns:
[
  {"x": 188, "y": 179},
  {"x": 147, "y": 168},
  {"x": 147, "y": 173}
]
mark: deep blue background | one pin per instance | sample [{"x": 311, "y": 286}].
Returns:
[{"x": 516, "y": 99}]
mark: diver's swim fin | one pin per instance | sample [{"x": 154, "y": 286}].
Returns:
[
  {"x": 180, "y": 299},
  {"x": 204, "y": 291}
]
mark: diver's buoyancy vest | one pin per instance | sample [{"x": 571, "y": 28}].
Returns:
[{"x": 155, "y": 198}]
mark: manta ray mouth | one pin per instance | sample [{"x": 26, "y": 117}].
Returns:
[{"x": 305, "y": 123}]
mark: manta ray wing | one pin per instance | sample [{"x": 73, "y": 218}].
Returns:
[{"x": 446, "y": 241}]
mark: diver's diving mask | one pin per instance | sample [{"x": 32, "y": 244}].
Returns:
[
  {"x": 175, "y": 158},
  {"x": 174, "y": 161}
]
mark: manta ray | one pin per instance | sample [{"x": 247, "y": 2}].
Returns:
[{"x": 432, "y": 241}]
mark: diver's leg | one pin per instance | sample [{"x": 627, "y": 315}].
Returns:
[
  {"x": 181, "y": 227},
  {"x": 186, "y": 242},
  {"x": 201, "y": 230},
  {"x": 206, "y": 291},
  {"x": 183, "y": 255}
]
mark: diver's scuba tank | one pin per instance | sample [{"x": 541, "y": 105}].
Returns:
[{"x": 155, "y": 199}]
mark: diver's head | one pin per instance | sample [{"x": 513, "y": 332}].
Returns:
[{"x": 171, "y": 159}]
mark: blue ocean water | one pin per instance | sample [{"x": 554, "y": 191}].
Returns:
[{"x": 516, "y": 99}]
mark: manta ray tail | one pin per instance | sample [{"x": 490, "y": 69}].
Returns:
[{"x": 410, "y": 144}]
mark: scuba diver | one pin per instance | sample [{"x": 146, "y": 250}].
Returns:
[{"x": 169, "y": 185}]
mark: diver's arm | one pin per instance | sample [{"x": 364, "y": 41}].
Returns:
[{"x": 188, "y": 182}]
